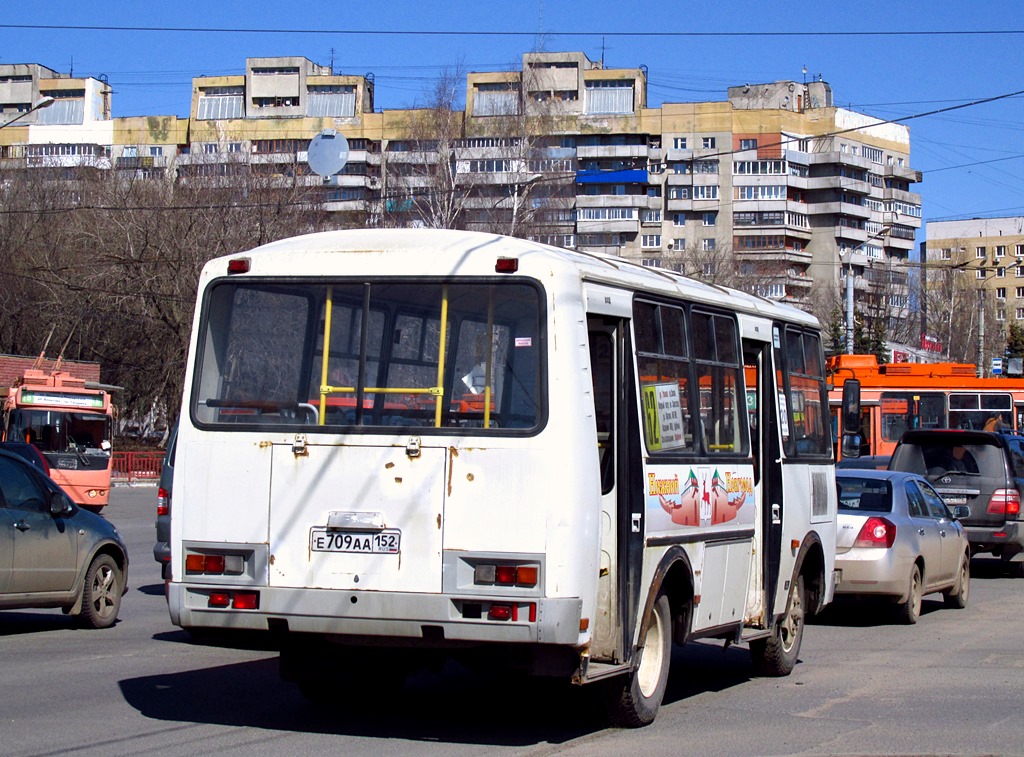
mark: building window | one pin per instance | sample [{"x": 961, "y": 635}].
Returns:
[
  {"x": 651, "y": 262},
  {"x": 1001, "y": 314},
  {"x": 705, "y": 192},
  {"x": 708, "y": 143},
  {"x": 748, "y": 144},
  {"x": 1000, "y": 251},
  {"x": 1001, "y": 272},
  {"x": 651, "y": 216},
  {"x": 220, "y": 103},
  {"x": 1019, "y": 250},
  {"x": 650, "y": 241},
  {"x": 979, "y": 253},
  {"x": 1001, "y": 293},
  {"x": 275, "y": 102},
  {"x": 679, "y": 143},
  {"x": 946, "y": 253},
  {"x": 156, "y": 152},
  {"x": 707, "y": 244},
  {"x": 679, "y": 219},
  {"x": 980, "y": 273},
  {"x": 678, "y": 193},
  {"x": 710, "y": 218},
  {"x": 610, "y": 96},
  {"x": 874, "y": 154},
  {"x": 1020, "y": 314},
  {"x": 331, "y": 101}
]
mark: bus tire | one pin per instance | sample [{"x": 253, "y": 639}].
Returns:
[
  {"x": 777, "y": 655},
  {"x": 634, "y": 699}
]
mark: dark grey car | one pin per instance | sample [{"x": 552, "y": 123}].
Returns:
[
  {"x": 162, "y": 548},
  {"x": 982, "y": 470},
  {"x": 53, "y": 553}
]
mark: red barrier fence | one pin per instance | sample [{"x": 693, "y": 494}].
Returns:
[{"x": 136, "y": 466}]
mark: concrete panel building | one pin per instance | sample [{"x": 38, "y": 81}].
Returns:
[{"x": 774, "y": 189}]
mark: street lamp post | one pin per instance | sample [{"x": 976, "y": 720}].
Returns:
[{"x": 43, "y": 102}]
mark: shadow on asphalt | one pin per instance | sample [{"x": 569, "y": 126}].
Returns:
[{"x": 453, "y": 705}]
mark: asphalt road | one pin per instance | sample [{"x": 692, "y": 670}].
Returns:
[{"x": 952, "y": 684}]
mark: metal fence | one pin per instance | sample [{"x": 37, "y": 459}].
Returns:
[{"x": 130, "y": 467}]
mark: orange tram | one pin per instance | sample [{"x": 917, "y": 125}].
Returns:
[{"x": 896, "y": 397}]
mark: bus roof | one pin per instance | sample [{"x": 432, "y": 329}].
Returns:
[
  {"x": 434, "y": 252},
  {"x": 937, "y": 376}
]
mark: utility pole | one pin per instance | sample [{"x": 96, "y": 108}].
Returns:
[{"x": 981, "y": 333}]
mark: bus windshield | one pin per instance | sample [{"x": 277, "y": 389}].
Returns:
[
  {"x": 60, "y": 431},
  {"x": 371, "y": 354}
]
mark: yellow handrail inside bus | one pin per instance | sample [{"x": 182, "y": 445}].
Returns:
[
  {"x": 490, "y": 357},
  {"x": 324, "y": 389},
  {"x": 437, "y": 391},
  {"x": 440, "y": 355}
]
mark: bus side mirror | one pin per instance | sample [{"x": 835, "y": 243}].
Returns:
[{"x": 851, "y": 419}]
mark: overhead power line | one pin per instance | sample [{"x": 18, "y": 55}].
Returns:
[{"x": 526, "y": 34}]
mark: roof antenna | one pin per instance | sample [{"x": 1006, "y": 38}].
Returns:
[{"x": 540, "y": 26}]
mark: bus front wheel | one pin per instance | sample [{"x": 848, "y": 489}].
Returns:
[
  {"x": 633, "y": 700},
  {"x": 777, "y": 654}
]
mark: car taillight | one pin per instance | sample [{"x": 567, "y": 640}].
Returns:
[
  {"x": 163, "y": 502},
  {"x": 876, "y": 532},
  {"x": 1004, "y": 502}
]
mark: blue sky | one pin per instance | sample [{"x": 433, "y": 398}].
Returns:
[{"x": 886, "y": 59}]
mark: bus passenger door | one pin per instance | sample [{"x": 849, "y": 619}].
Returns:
[
  {"x": 621, "y": 531},
  {"x": 767, "y": 453}
]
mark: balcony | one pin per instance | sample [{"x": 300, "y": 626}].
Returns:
[{"x": 611, "y": 151}]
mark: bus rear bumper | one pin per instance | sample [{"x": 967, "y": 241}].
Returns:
[{"x": 434, "y": 617}]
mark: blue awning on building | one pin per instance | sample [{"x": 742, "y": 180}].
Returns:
[{"x": 631, "y": 176}]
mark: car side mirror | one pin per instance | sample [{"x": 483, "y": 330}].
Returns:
[
  {"x": 59, "y": 504},
  {"x": 961, "y": 511}
]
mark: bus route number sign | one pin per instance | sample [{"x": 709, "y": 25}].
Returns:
[{"x": 385, "y": 542}]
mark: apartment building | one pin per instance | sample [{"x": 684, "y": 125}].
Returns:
[
  {"x": 775, "y": 188},
  {"x": 981, "y": 257}
]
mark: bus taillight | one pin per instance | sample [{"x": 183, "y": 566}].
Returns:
[
  {"x": 238, "y": 600},
  {"x": 214, "y": 564},
  {"x": 506, "y": 575}
]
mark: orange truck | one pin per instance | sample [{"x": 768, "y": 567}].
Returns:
[
  {"x": 896, "y": 397},
  {"x": 70, "y": 420}
]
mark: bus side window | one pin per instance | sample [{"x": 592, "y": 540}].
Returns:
[{"x": 602, "y": 370}]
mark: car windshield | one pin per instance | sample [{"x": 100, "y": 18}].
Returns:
[{"x": 864, "y": 495}]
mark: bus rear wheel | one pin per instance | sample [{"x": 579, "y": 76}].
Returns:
[
  {"x": 776, "y": 655},
  {"x": 633, "y": 700}
]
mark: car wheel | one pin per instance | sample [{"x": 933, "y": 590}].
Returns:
[
  {"x": 908, "y": 612},
  {"x": 957, "y": 596},
  {"x": 634, "y": 701},
  {"x": 777, "y": 655},
  {"x": 101, "y": 594}
]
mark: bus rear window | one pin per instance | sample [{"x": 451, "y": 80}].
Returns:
[{"x": 368, "y": 354}]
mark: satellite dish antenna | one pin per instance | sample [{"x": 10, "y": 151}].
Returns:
[{"x": 328, "y": 153}]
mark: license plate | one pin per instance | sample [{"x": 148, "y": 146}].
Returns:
[
  {"x": 952, "y": 499},
  {"x": 385, "y": 542}
]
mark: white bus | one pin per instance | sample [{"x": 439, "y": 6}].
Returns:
[{"x": 399, "y": 444}]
